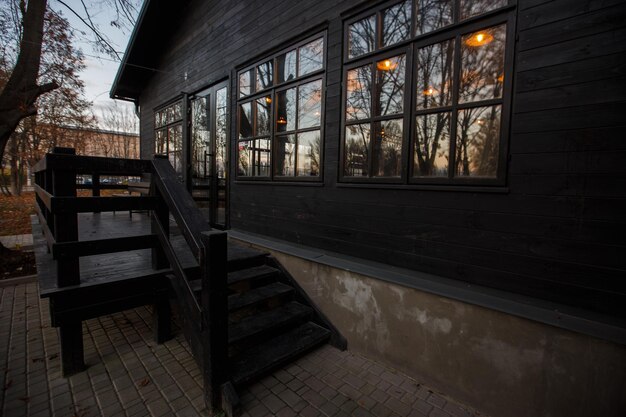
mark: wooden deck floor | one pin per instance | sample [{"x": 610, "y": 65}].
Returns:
[{"x": 120, "y": 266}]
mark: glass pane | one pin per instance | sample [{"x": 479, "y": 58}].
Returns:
[
  {"x": 477, "y": 141},
  {"x": 244, "y": 165},
  {"x": 310, "y": 104},
  {"x": 157, "y": 119},
  {"x": 387, "y": 152},
  {"x": 471, "y": 8},
  {"x": 264, "y": 76},
  {"x": 285, "y": 155},
  {"x": 432, "y": 14},
  {"x": 390, "y": 74},
  {"x": 263, "y": 106},
  {"x": 434, "y": 75},
  {"x": 178, "y": 111},
  {"x": 262, "y": 157},
  {"x": 199, "y": 138},
  {"x": 170, "y": 114},
  {"x": 356, "y": 150},
  {"x": 245, "y": 83},
  {"x": 362, "y": 37},
  {"x": 161, "y": 142},
  {"x": 311, "y": 57},
  {"x": 358, "y": 95},
  {"x": 482, "y": 64},
  {"x": 245, "y": 120},
  {"x": 286, "y": 66},
  {"x": 221, "y": 131},
  {"x": 175, "y": 134},
  {"x": 309, "y": 153},
  {"x": 286, "y": 110},
  {"x": 396, "y": 23},
  {"x": 432, "y": 145}
]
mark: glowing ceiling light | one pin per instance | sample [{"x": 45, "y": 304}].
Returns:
[
  {"x": 479, "y": 39},
  {"x": 387, "y": 65}
]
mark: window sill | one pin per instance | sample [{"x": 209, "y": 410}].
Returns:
[{"x": 429, "y": 187}]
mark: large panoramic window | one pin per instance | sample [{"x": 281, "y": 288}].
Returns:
[
  {"x": 169, "y": 134},
  {"x": 425, "y": 92},
  {"x": 280, "y": 114}
]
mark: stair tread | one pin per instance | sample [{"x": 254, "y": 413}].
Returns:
[
  {"x": 237, "y": 301},
  {"x": 240, "y": 275},
  {"x": 250, "y": 273},
  {"x": 277, "y": 351},
  {"x": 275, "y": 318}
]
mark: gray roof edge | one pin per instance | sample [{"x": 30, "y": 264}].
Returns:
[{"x": 129, "y": 48}]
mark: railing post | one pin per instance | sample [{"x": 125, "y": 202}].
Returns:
[
  {"x": 95, "y": 186},
  {"x": 214, "y": 270},
  {"x": 65, "y": 224},
  {"x": 68, "y": 270}
]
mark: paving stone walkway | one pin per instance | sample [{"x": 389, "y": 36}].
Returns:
[{"x": 130, "y": 375}]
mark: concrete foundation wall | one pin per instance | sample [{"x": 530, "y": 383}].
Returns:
[{"x": 500, "y": 364}]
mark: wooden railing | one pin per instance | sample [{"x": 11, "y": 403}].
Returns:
[
  {"x": 205, "y": 323},
  {"x": 204, "y": 320}
]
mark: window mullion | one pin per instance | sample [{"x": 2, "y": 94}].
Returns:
[{"x": 455, "y": 99}]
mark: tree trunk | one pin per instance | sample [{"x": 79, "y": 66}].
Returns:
[{"x": 17, "y": 99}]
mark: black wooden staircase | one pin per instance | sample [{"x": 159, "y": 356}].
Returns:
[{"x": 241, "y": 312}]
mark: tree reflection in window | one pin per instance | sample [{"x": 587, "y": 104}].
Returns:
[
  {"x": 478, "y": 138},
  {"x": 283, "y": 117},
  {"x": 359, "y": 99},
  {"x": 432, "y": 15},
  {"x": 169, "y": 134},
  {"x": 470, "y": 8},
  {"x": 396, "y": 23},
  {"x": 264, "y": 76},
  {"x": 311, "y": 57},
  {"x": 375, "y": 148},
  {"x": 432, "y": 147},
  {"x": 482, "y": 64},
  {"x": 434, "y": 75},
  {"x": 356, "y": 150},
  {"x": 362, "y": 37}
]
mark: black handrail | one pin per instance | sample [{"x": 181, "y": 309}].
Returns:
[{"x": 210, "y": 250}]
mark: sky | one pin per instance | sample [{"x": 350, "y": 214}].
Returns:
[{"x": 101, "y": 69}]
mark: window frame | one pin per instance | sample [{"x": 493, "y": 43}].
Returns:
[
  {"x": 272, "y": 91},
  {"x": 166, "y": 128},
  {"x": 371, "y": 60},
  {"x": 503, "y": 15}
]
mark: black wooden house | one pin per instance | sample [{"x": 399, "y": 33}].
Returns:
[{"x": 445, "y": 178}]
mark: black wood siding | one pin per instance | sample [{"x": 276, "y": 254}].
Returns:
[{"x": 556, "y": 232}]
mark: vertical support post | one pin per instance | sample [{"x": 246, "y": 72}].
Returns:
[
  {"x": 68, "y": 270},
  {"x": 71, "y": 338},
  {"x": 214, "y": 270},
  {"x": 187, "y": 150},
  {"x": 65, "y": 224},
  {"x": 47, "y": 185},
  {"x": 95, "y": 184},
  {"x": 161, "y": 317}
]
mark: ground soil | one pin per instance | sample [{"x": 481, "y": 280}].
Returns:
[
  {"x": 16, "y": 263},
  {"x": 15, "y": 214}
]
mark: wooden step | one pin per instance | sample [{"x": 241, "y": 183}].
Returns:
[
  {"x": 259, "y": 295},
  {"x": 237, "y": 279},
  {"x": 245, "y": 279},
  {"x": 268, "y": 322},
  {"x": 262, "y": 359},
  {"x": 242, "y": 257}
]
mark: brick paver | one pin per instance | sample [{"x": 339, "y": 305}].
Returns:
[{"x": 130, "y": 375}]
